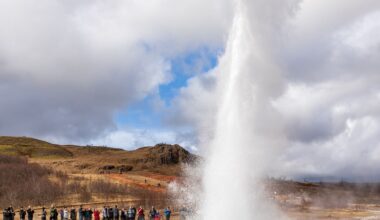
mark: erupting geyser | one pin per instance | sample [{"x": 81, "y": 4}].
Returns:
[{"x": 247, "y": 128}]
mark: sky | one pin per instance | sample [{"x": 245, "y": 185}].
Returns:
[{"x": 135, "y": 73}]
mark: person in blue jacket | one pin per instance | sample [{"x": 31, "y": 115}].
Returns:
[{"x": 167, "y": 213}]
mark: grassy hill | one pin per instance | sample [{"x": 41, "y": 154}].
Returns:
[
  {"x": 32, "y": 148},
  {"x": 161, "y": 158},
  {"x": 76, "y": 174}
]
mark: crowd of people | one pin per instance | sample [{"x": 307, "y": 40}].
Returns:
[{"x": 107, "y": 213}]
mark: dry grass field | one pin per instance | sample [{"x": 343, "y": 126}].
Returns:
[
  {"x": 91, "y": 174},
  {"x": 98, "y": 175}
]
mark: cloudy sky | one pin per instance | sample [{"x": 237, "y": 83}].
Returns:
[{"x": 132, "y": 73}]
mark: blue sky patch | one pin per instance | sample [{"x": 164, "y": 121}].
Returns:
[
  {"x": 142, "y": 114},
  {"x": 186, "y": 66}
]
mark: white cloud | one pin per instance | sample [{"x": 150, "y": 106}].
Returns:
[
  {"x": 66, "y": 67},
  {"x": 329, "y": 57},
  {"x": 350, "y": 154},
  {"x": 130, "y": 138}
]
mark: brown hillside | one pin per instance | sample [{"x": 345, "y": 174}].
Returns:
[
  {"x": 162, "y": 158},
  {"x": 30, "y": 147}
]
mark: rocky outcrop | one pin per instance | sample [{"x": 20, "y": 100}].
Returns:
[
  {"x": 115, "y": 169},
  {"x": 165, "y": 154}
]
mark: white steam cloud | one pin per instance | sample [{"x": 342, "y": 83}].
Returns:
[
  {"x": 328, "y": 102},
  {"x": 248, "y": 129}
]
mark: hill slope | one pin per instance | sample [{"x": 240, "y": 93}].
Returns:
[
  {"x": 162, "y": 158},
  {"x": 32, "y": 148}
]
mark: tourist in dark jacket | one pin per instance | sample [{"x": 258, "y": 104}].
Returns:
[
  {"x": 90, "y": 212},
  {"x": 152, "y": 213},
  {"x": 6, "y": 214},
  {"x": 43, "y": 214},
  {"x": 86, "y": 214},
  {"x": 11, "y": 213},
  {"x": 80, "y": 212},
  {"x": 30, "y": 212},
  {"x": 110, "y": 213},
  {"x": 134, "y": 212},
  {"x": 123, "y": 214},
  {"x": 22, "y": 213},
  {"x": 53, "y": 213},
  {"x": 73, "y": 214}
]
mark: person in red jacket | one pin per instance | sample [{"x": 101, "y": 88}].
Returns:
[
  {"x": 96, "y": 214},
  {"x": 140, "y": 214}
]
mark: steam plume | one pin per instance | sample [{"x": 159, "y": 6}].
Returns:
[{"x": 248, "y": 130}]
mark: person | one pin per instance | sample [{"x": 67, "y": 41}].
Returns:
[
  {"x": 96, "y": 214},
  {"x": 157, "y": 216},
  {"x": 61, "y": 213},
  {"x": 123, "y": 214},
  {"x": 115, "y": 213},
  {"x": 6, "y": 214},
  {"x": 65, "y": 213},
  {"x": 11, "y": 213},
  {"x": 152, "y": 213},
  {"x": 43, "y": 214},
  {"x": 167, "y": 213},
  {"x": 90, "y": 212},
  {"x": 22, "y": 213},
  {"x": 130, "y": 213},
  {"x": 110, "y": 213},
  {"x": 80, "y": 212},
  {"x": 53, "y": 213},
  {"x": 105, "y": 213},
  {"x": 134, "y": 212},
  {"x": 86, "y": 214},
  {"x": 30, "y": 212},
  {"x": 73, "y": 214},
  {"x": 140, "y": 214}
]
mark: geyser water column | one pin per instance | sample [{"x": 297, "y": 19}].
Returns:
[{"x": 247, "y": 128}]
